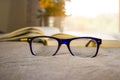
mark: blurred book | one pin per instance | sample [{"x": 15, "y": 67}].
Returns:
[{"x": 23, "y": 33}]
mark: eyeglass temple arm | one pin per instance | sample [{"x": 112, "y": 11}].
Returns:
[
  {"x": 44, "y": 42},
  {"x": 89, "y": 43}
]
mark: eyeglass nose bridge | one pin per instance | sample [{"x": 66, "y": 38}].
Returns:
[
  {"x": 65, "y": 41},
  {"x": 62, "y": 41}
]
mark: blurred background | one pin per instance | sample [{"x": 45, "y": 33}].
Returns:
[{"x": 101, "y": 16}]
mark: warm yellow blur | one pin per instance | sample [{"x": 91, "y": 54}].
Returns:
[{"x": 45, "y": 3}]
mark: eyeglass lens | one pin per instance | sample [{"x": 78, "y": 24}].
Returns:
[
  {"x": 44, "y": 46},
  {"x": 83, "y": 47}
]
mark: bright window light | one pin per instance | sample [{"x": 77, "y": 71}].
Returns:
[
  {"x": 91, "y": 8},
  {"x": 92, "y": 15}
]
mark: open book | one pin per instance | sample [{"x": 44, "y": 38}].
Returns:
[{"x": 23, "y": 33}]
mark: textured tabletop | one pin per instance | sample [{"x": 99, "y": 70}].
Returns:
[{"x": 17, "y": 63}]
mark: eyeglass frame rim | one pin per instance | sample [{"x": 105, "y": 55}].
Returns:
[{"x": 59, "y": 40}]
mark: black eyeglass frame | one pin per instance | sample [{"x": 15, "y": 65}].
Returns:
[{"x": 66, "y": 42}]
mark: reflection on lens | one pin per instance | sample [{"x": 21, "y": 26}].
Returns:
[
  {"x": 43, "y": 46},
  {"x": 83, "y": 47}
]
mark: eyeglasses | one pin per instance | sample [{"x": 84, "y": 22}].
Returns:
[{"x": 78, "y": 46}]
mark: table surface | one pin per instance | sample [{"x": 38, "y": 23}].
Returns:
[{"x": 17, "y": 63}]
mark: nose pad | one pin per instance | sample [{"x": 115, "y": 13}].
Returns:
[
  {"x": 70, "y": 50},
  {"x": 57, "y": 50},
  {"x": 63, "y": 49}
]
